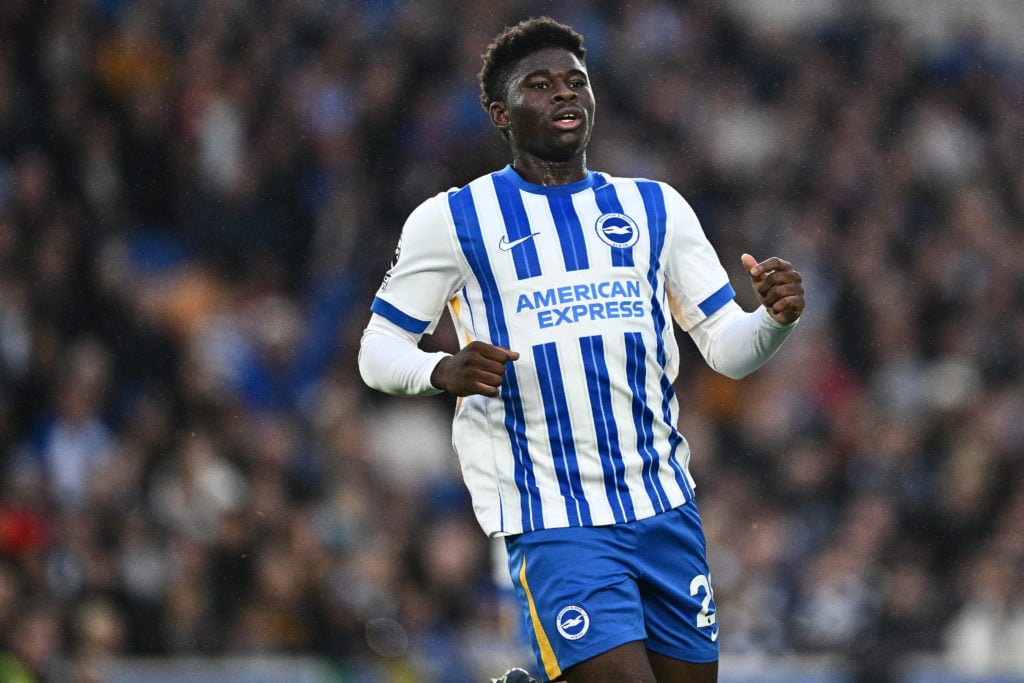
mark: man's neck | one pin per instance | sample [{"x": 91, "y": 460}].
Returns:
[{"x": 541, "y": 172}]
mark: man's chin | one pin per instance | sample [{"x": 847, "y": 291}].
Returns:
[
  {"x": 564, "y": 153},
  {"x": 563, "y": 156}
]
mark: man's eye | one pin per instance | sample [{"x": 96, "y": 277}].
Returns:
[
  {"x": 538, "y": 86},
  {"x": 578, "y": 84}
]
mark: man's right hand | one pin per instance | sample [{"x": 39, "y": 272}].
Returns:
[{"x": 479, "y": 368}]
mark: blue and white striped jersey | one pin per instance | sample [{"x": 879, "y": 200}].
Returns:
[{"x": 583, "y": 281}]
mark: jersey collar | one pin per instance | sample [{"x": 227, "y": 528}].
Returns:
[{"x": 509, "y": 174}]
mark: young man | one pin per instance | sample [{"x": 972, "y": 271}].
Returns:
[{"x": 563, "y": 284}]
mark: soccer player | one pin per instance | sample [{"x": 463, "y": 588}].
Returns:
[{"x": 563, "y": 284}]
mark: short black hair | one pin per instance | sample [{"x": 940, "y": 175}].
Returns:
[{"x": 519, "y": 41}]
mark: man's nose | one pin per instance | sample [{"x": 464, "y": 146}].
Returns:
[{"x": 563, "y": 92}]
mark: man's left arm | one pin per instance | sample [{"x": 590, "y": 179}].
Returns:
[{"x": 736, "y": 343}]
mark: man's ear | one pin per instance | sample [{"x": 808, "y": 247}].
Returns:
[{"x": 499, "y": 115}]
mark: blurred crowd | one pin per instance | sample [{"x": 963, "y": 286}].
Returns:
[{"x": 198, "y": 199}]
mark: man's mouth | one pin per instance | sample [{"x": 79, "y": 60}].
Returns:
[{"x": 568, "y": 120}]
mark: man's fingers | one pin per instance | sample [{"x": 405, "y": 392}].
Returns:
[
  {"x": 489, "y": 377},
  {"x": 773, "y": 264},
  {"x": 779, "y": 284},
  {"x": 476, "y": 382},
  {"x": 785, "y": 303},
  {"x": 769, "y": 265},
  {"x": 507, "y": 355},
  {"x": 748, "y": 262},
  {"x": 479, "y": 368},
  {"x": 495, "y": 353},
  {"x": 779, "y": 277},
  {"x": 491, "y": 365},
  {"x": 484, "y": 390}
]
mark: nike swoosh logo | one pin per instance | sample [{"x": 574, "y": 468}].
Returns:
[{"x": 505, "y": 245}]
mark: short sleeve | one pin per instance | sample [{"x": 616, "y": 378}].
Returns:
[
  {"x": 696, "y": 282},
  {"x": 425, "y": 272}
]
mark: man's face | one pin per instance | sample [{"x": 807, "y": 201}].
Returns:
[{"x": 550, "y": 107}]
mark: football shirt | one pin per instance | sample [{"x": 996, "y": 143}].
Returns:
[{"x": 583, "y": 280}]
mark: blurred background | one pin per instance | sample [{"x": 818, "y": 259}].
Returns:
[{"x": 198, "y": 199}]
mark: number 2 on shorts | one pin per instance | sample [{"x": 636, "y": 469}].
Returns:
[{"x": 705, "y": 618}]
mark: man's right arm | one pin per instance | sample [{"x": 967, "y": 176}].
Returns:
[
  {"x": 424, "y": 275},
  {"x": 421, "y": 279},
  {"x": 391, "y": 361}
]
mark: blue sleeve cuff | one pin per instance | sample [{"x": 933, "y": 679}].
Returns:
[
  {"x": 406, "y": 322},
  {"x": 717, "y": 300}
]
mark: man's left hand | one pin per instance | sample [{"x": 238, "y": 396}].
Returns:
[{"x": 778, "y": 286}]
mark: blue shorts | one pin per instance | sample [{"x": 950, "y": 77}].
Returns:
[{"x": 586, "y": 590}]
